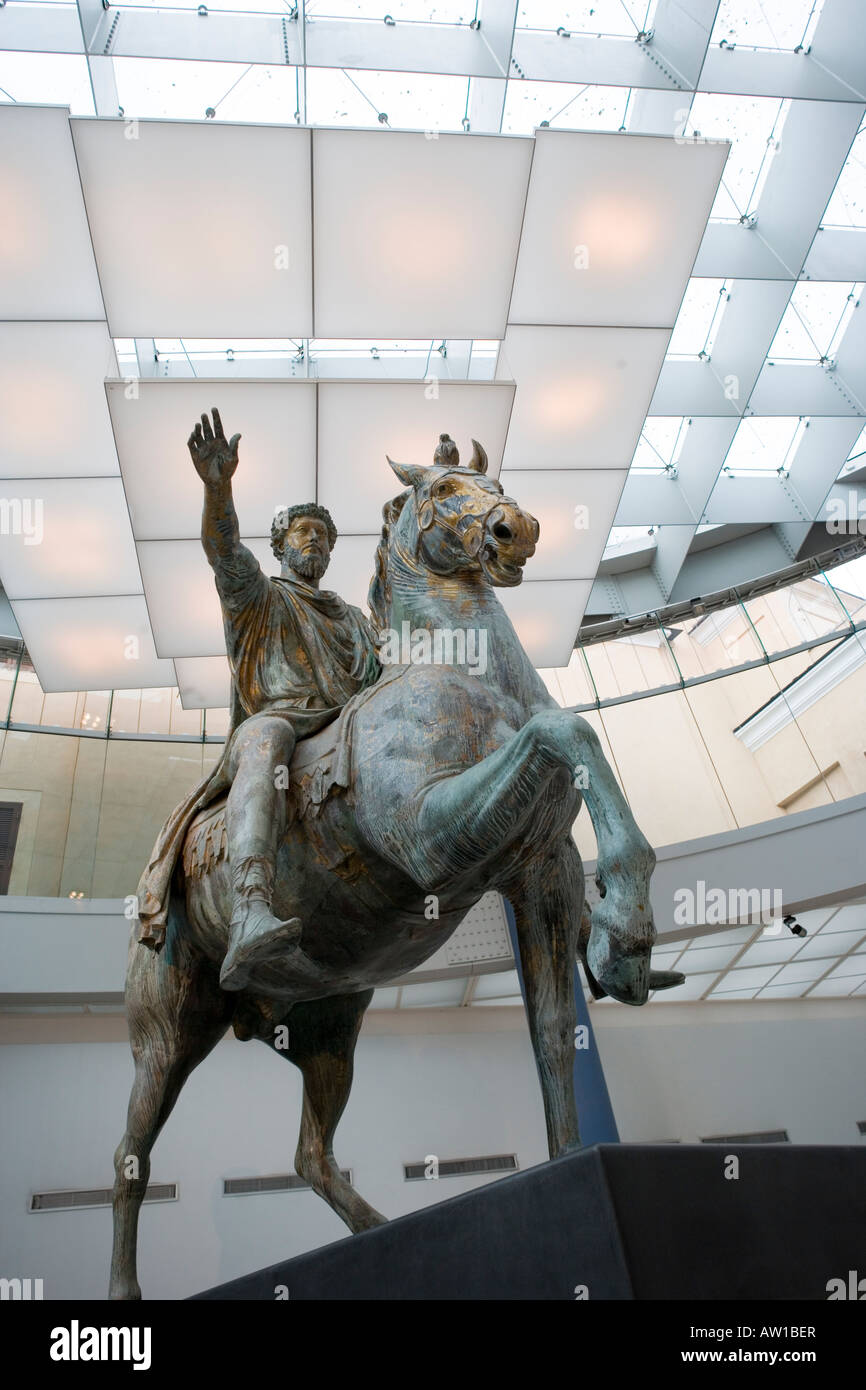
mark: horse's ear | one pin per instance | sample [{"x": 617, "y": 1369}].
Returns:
[
  {"x": 410, "y": 474},
  {"x": 478, "y": 461}
]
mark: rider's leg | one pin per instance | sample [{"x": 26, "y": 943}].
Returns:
[{"x": 255, "y": 824}]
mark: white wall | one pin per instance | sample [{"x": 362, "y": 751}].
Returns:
[{"x": 787, "y": 1064}]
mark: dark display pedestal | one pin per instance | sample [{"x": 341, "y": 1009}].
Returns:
[{"x": 622, "y": 1221}]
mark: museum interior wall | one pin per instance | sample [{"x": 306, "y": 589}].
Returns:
[{"x": 455, "y": 1086}]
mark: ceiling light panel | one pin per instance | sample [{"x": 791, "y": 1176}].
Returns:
[
  {"x": 47, "y": 269},
  {"x": 575, "y": 510},
  {"x": 546, "y": 616},
  {"x": 204, "y": 682},
  {"x": 582, "y": 394},
  {"x": 66, "y": 537},
  {"x": 52, "y": 400},
  {"x": 277, "y": 450},
  {"x": 612, "y": 228},
  {"x": 360, "y": 422},
  {"x": 91, "y": 643},
  {"x": 182, "y": 600},
  {"x": 201, "y": 229},
  {"x": 416, "y": 237}
]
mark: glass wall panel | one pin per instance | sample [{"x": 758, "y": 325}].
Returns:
[
  {"x": 184, "y": 721},
  {"x": 216, "y": 723},
  {"x": 714, "y": 642},
  {"x": 8, "y": 666},
  {"x": 798, "y": 613},
  {"x": 143, "y": 783},
  {"x": 627, "y": 665},
  {"x": 125, "y": 711},
  {"x": 28, "y": 699}
]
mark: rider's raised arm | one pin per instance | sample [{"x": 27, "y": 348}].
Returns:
[{"x": 236, "y": 569}]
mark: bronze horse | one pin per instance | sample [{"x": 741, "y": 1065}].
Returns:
[{"x": 462, "y": 780}]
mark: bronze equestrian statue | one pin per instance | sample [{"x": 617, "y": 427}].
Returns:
[{"x": 299, "y": 876}]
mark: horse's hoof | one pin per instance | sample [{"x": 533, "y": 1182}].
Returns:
[{"x": 263, "y": 945}]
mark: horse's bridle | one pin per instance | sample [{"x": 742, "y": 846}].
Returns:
[{"x": 470, "y": 526}]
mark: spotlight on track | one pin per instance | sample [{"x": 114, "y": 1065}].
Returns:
[{"x": 794, "y": 926}]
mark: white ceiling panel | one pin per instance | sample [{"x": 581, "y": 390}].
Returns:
[
  {"x": 612, "y": 227},
  {"x": 52, "y": 400},
  {"x": 416, "y": 237},
  {"x": 200, "y": 229},
  {"x": 582, "y": 394},
  {"x": 575, "y": 509},
  {"x": 91, "y": 644},
  {"x": 47, "y": 269},
  {"x": 361, "y": 422},
  {"x": 277, "y": 452},
  {"x": 66, "y": 537},
  {"x": 204, "y": 682},
  {"x": 182, "y": 600},
  {"x": 546, "y": 616}
]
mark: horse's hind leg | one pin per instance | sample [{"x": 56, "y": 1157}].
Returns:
[
  {"x": 548, "y": 901},
  {"x": 175, "y": 1019},
  {"x": 322, "y": 1037}
]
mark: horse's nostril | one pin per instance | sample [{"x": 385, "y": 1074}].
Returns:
[{"x": 502, "y": 532}]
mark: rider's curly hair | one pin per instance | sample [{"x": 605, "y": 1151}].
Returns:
[{"x": 286, "y": 515}]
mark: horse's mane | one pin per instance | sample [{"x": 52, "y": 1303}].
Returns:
[{"x": 379, "y": 595}]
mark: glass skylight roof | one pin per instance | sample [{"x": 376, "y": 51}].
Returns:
[
  {"x": 184, "y": 90},
  {"x": 763, "y": 444},
  {"x": 815, "y": 321},
  {"x": 564, "y": 105},
  {"x": 660, "y": 442},
  {"x": 758, "y": 962},
  {"x": 405, "y": 11},
  {"x": 698, "y": 319},
  {"x": 847, "y": 206},
  {"x": 754, "y": 125},
  {"x": 780, "y": 24},
  {"x": 52, "y": 79},
  {"x": 735, "y": 322},
  {"x": 623, "y": 18},
  {"x": 410, "y": 101}
]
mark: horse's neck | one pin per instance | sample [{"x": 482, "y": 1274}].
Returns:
[{"x": 461, "y": 602}]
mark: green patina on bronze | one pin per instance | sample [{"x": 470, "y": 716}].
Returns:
[{"x": 286, "y": 903}]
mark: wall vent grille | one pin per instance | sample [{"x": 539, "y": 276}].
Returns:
[
  {"x": 765, "y": 1136},
  {"x": 462, "y": 1167},
  {"x": 78, "y": 1199},
  {"x": 273, "y": 1182}
]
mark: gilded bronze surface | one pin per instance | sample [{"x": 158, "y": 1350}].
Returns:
[{"x": 404, "y": 797}]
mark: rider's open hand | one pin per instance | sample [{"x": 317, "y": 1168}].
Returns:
[{"x": 215, "y": 458}]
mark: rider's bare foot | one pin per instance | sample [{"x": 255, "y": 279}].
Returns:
[{"x": 259, "y": 939}]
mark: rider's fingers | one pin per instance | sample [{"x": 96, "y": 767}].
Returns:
[
  {"x": 217, "y": 423},
  {"x": 206, "y": 429},
  {"x": 233, "y": 443}
]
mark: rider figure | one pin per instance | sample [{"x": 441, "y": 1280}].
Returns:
[{"x": 297, "y": 654}]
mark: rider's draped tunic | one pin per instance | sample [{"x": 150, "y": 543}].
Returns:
[{"x": 294, "y": 651}]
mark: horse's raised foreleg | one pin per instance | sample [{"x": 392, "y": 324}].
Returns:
[
  {"x": 175, "y": 1019},
  {"x": 322, "y": 1038},
  {"x": 547, "y": 902},
  {"x": 461, "y": 822}
]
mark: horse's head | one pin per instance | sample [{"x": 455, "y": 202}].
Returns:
[{"x": 464, "y": 519}]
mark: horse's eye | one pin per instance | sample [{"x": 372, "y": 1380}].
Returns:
[{"x": 443, "y": 488}]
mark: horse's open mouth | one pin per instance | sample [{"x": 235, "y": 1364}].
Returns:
[{"x": 503, "y": 573}]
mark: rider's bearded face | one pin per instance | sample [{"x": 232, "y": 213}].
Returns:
[{"x": 306, "y": 550}]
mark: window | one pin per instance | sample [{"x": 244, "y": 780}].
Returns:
[{"x": 10, "y": 819}]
